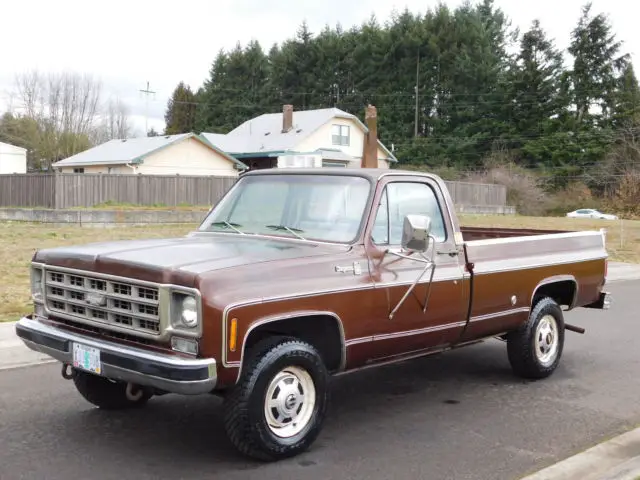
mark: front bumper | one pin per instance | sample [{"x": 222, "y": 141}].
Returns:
[{"x": 129, "y": 364}]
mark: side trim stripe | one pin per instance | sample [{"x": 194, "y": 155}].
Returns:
[
  {"x": 370, "y": 286},
  {"x": 489, "y": 316},
  {"x": 420, "y": 331}
]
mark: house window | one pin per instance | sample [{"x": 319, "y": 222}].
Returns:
[
  {"x": 78, "y": 170},
  {"x": 340, "y": 135},
  {"x": 333, "y": 164}
]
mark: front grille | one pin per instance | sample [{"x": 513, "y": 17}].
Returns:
[
  {"x": 104, "y": 332},
  {"x": 95, "y": 300}
]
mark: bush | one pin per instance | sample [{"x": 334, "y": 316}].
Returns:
[
  {"x": 576, "y": 195},
  {"x": 523, "y": 189},
  {"x": 626, "y": 198}
]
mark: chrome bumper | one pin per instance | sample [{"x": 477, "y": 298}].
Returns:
[{"x": 164, "y": 372}]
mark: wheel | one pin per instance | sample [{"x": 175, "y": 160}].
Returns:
[
  {"x": 535, "y": 349},
  {"x": 108, "y": 394},
  {"x": 277, "y": 408}
]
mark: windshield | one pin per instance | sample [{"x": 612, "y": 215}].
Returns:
[{"x": 311, "y": 207}]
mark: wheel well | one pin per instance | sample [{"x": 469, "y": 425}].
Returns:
[
  {"x": 324, "y": 332},
  {"x": 563, "y": 292}
]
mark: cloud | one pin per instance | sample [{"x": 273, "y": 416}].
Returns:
[{"x": 127, "y": 43}]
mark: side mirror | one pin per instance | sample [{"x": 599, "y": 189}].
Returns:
[{"x": 415, "y": 233}]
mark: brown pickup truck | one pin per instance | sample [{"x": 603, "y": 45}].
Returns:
[{"x": 296, "y": 275}]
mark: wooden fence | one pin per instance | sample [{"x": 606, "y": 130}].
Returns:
[{"x": 86, "y": 190}]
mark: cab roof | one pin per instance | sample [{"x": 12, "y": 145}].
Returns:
[{"x": 370, "y": 173}]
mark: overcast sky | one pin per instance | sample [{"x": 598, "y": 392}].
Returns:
[{"x": 127, "y": 43}]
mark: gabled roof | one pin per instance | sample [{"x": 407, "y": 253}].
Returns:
[
  {"x": 263, "y": 134},
  {"x": 334, "y": 154},
  {"x": 133, "y": 151},
  {"x": 7, "y": 147}
]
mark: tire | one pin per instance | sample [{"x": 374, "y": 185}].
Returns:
[
  {"x": 535, "y": 348},
  {"x": 106, "y": 394},
  {"x": 270, "y": 365}
]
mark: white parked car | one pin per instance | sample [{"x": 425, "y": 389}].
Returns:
[{"x": 591, "y": 213}]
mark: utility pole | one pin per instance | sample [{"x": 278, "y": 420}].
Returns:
[
  {"x": 415, "y": 134},
  {"x": 146, "y": 94}
]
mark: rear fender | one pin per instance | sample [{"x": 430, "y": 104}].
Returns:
[{"x": 556, "y": 279}]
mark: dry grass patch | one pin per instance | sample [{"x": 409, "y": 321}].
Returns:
[
  {"x": 19, "y": 241},
  {"x": 623, "y": 236}
]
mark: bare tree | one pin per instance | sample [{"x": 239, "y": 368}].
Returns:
[
  {"x": 115, "y": 122},
  {"x": 30, "y": 93},
  {"x": 622, "y": 159},
  {"x": 68, "y": 110}
]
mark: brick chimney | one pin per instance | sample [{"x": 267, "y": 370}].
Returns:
[
  {"x": 370, "y": 150},
  {"x": 287, "y": 118}
]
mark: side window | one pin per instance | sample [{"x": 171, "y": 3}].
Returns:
[{"x": 401, "y": 199}]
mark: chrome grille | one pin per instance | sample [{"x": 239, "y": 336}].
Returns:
[{"x": 94, "y": 300}]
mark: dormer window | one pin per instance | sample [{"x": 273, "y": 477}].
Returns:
[{"x": 340, "y": 135}]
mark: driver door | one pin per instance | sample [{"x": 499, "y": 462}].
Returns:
[{"x": 413, "y": 328}]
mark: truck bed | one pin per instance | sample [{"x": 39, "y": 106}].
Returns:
[
  {"x": 508, "y": 266},
  {"x": 480, "y": 233}
]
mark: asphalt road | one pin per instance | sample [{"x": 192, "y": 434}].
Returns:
[{"x": 461, "y": 415}]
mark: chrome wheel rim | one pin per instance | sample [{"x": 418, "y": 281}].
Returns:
[
  {"x": 546, "y": 340},
  {"x": 289, "y": 402}
]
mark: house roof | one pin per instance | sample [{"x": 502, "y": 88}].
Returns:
[
  {"x": 7, "y": 147},
  {"x": 133, "y": 151},
  {"x": 334, "y": 154},
  {"x": 263, "y": 134}
]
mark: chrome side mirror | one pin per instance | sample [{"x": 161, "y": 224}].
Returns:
[{"x": 415, "y": 233}]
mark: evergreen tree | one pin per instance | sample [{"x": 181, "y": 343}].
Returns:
[
  {"x": 448, "y": 92},
  {"x": 596, "y": 67},
  {"x": 180, "y": 116},
  {"x": 626, "y": 109},
  {"x": 536, "y": 103}
]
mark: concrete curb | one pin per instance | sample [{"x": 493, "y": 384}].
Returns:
[
  {"x": 620, "y": 272},
  {"x": 13, "y": 353},
  {"x": 615, "y": 459}
]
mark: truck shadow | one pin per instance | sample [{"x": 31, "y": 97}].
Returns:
[{"x": 193, "y": 426}]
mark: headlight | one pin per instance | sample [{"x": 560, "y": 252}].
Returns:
[
  {"x": 37, "y": 286},
  {"x": 189, "y": 316},
  {"x": 185, "y": 311}
]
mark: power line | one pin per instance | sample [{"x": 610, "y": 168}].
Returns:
[{"x": 146, "y": 94}]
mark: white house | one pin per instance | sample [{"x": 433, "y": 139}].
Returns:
[
  {"x": 184, "y": 154},
  {"x": 12, "y": 159},
  {"x": 327, "y": 137}
]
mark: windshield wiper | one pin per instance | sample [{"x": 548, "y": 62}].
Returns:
[
  {"x": 292, "y": 231},
  {"x": 229, "y": 225}
]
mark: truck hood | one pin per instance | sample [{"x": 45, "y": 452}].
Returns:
[{"x": 180, "y": 260}]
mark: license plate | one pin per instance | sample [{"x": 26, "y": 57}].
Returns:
[{"x": 86, "y": 358}]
